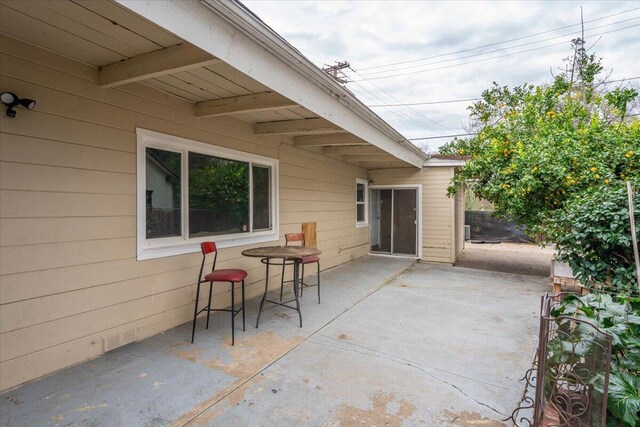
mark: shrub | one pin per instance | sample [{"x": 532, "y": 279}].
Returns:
[
  {"x": 620, "y": 317},
  {"x": 593, "y": 235}
]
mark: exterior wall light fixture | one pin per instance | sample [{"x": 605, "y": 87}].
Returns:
[{"x": 11, "y": 100}]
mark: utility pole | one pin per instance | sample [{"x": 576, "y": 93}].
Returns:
[
  {"x": 579, "y": 52},
  {"x": 335, "y": 71}
]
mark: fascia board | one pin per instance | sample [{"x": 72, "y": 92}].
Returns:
[{"x": 444, "y": 163}]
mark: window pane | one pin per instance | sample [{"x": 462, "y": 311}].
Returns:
[
  {"x": 360, "y": 192},
  {"x": 261, "y": 198},
  {"x": 218, "y": 196},
  {"x": 360, "y": 212},
  {"x": 163, "y": 169}
]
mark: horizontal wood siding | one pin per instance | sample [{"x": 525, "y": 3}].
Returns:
[
  {"x": 70, "y": 285},
  {"x": 459, "y": 216},
  {"x": 437, "y": 208}
]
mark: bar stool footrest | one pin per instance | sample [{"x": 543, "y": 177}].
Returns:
[{"x": 228, "y": 310}]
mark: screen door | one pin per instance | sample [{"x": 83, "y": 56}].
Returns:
[{"x": 393, "y": 221}]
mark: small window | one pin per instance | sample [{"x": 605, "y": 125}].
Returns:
[
  {"x": 362, "y": 197},
  {"x": 190, "y": 191}
]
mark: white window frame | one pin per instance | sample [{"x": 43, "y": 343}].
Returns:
[
  {"x": 171, "y": 246},
  {"x": 365, "y": 223}
]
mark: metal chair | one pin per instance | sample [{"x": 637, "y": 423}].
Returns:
[
  {"x": 231, "y": 275},
  {"x": 299, "y": 237}
]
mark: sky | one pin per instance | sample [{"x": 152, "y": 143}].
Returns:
[{"x": 417, "y": 51}]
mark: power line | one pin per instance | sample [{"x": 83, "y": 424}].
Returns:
[
  {"x": 398, "y": 114},
  {"x": 442, "y": 136},
  {"x": 620, "y": 80},
  {"x": 449, "y": 101},
  {"x": 336, "y": 73},
  {"x": 493, "y": 57},
  {"x": 491, "y": 51},
  {"x": 396, "y": 99},
  {"x": 500, "y": 42},
  {"x": 488, "y": 59},
  {"x": 475, "y": 133}
]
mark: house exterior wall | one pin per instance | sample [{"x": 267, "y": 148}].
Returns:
[
  {"x": 70, "y": 285},
  {"x": 438, "y": 212},
  {"x": 459, "y": 222},
  {"x": 162, "y": 195}
]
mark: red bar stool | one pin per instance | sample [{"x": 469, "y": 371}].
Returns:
[
  {"x": 299, "y": 237},
  {"x": 231, "y": 275}
]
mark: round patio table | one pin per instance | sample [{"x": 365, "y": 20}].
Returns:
[{"x": 291, "y": 254}]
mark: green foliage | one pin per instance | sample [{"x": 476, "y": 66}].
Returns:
[
  {"x": 543, "y": 151},
  {"x": 593, "y": 235},
  {"x": 619, "y": 99},
  {"x": 555, "y": 158},
  {"x": 619, "y": 317},
  {"x": 624, "y": 400},
  {"x": 220, "y": 186}
]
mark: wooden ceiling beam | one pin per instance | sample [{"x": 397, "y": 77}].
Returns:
[
  {"x": 154, "y": 64},
  {"x": 264, "y": 101},
  {"x": 293, "y": 127},
  {"x": 344, "y": 139}
]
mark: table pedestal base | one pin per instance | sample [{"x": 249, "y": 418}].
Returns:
[{"x": 296, "y": 284}]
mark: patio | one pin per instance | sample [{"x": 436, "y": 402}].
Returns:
[
  {"x": 516, "y": 258},
  {"x": 392, "y": 343}
]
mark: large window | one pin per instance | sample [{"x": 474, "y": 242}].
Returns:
[
  {"x": 362, "y": 200},
  {"x": 189, "y": 192}
]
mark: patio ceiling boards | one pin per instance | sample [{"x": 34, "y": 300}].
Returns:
[
  {"x": 231, "y": 34},
  {"x": 220, "y": 58}
]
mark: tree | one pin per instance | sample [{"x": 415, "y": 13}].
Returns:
[
  {"x": 555, "y": 159},
  {"x": 218, "y": 195},
  {"x": 541, "y": 150}
]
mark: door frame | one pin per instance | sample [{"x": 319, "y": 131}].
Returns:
[{"x": 418, "y": 188}]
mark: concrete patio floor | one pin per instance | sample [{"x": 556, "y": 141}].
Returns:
[
  {"x": 393, "y": 343},
  {"x": 516, "y": 258}
]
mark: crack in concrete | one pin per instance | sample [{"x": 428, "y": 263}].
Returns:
[
  {"x": 412, "y": 365},
  {"x": 413, "y": 362}
]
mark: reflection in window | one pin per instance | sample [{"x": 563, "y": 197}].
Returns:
[
  {"x": 360, "y": 203},
  {"x": 360, "y": 213},
  {"x": 218, "y": 196},
  {"x": 360, "y": 192},
  {"x": 261, "y": 197},
  {"x": 163, "y": 193}
]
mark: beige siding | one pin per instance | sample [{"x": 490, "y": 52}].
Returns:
[
  {"x": 437, "y": 209},
  {"x": 70, "y": 285},
  {"x": 459, "y": 222}
]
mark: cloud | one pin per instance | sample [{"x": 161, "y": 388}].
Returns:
[{"x": 374, "y": 33}]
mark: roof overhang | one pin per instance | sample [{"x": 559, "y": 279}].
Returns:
[
  {"x": 444, "y": 160},
  {"x": 230, "y": 32}
]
